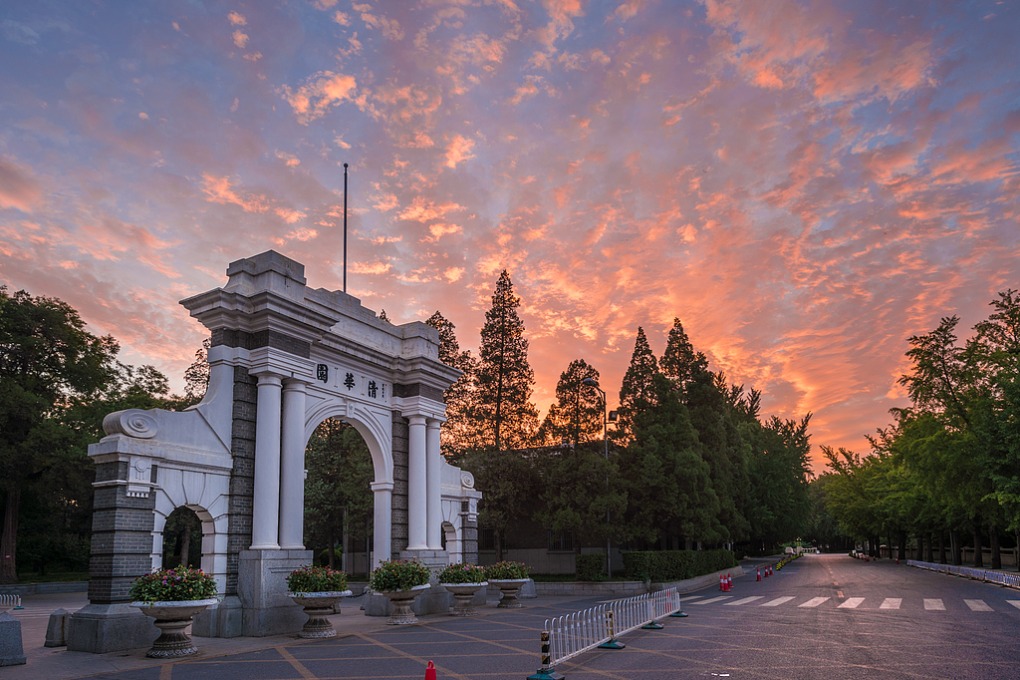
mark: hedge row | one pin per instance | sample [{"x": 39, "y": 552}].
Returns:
[{"x": 675, "y": 565}]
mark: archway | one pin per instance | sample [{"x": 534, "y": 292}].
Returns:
[{"x": 283, "y": 357}]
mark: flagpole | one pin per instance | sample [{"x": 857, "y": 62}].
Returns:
[{"x": 345, "y": 227}]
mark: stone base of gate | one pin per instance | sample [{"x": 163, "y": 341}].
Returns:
[
  {"x": 222, "y": 620},
  {"x": 262, "y": 588},
  {"x": 102, "y": 628}
]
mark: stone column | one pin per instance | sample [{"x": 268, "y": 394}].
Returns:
[
  {"x": 266, "y": 497},
  {"x": 417, "y": 508},
  {"x": 382, "y": 519},
  {"x": 292, "y": 468},
  {"x": 434, "y": 487}
]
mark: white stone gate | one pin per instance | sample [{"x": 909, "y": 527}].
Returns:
[{"x": 284, "y": 357}]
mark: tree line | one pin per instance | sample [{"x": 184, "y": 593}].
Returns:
[
  {"x": 946, "y": 471},
  {"x": 689, "y": 459}
]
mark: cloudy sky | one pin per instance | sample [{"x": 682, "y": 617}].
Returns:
[{"x": 805, "y": 184}]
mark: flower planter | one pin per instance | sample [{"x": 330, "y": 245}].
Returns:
[
  {"x": 463, "y": 593},
  {"x": 509, "y": 588},
  {"x": 318, "y": 607},
  {"x": 172, "y": 618},
  {"x": 401, "y": 601}
]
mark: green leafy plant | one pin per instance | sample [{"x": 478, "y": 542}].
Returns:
[
  {"x": 173, "y": 585},
  {"x": 590, "y": 567},
  {"x": 507, "y": 570},
  {"x": 315, "y": 579},
  {"x": 462, "y": 573},
  {"x": 394, "y": 575}
]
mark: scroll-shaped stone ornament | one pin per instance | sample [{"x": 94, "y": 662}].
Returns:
[
  {"x": 467, "y": 480},
  {"x": 132, "y": 422}
]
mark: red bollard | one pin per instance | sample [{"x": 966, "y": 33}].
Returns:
[{"x": 430, "y": 671}]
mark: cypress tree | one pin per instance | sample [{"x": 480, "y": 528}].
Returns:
[
  {"x": 459, "y": 433},
  {"x": 636, "y": 391},
  {"x": 576, "y": 416},
  {"x": 505, "y": 379}
]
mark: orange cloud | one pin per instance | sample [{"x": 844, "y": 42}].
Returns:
[{"x": 322, "y": 92}]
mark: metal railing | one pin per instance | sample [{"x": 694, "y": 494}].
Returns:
[
  {"x": 8, "y": 601},
  {"x": 1010, "y": 580},
  {"x": 564, "y": 637}
]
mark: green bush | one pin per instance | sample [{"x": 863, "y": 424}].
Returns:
[
  {"x": 590, "y": 567},
  {"x": 675, "y": 565}
]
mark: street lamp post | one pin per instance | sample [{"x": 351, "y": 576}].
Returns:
[{"x": 605, "y": 443}]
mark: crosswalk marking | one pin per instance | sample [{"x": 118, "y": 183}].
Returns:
[
  {"x": 714, "y": 599},
  {"x": 744, "y": 600},
  {"x": 862, "y": 603}
]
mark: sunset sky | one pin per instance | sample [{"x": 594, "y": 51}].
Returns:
[{"x": 804, "y": 184}]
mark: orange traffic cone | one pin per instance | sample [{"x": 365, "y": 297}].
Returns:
[
  {"x": 722, "y": 583},
  {"x": 757, "y": 574},
  {"x": 430, "y": 671},
  {"x": 729, "y": 583}
]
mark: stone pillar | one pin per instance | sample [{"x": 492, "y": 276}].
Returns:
[
  {"x": 292, "y": 470},
  {"x": 434, "y": 487},
  {"x": 417, "y": 512},
  {"x": 266, "y": 510},
  {"x": 382, "y": 518}
]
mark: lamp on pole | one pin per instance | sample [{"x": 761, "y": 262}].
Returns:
[{"x": 605, "y": 444}]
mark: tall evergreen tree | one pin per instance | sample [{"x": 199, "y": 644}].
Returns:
[
  {"x": 577, "y": 415},
  {"x": 680, "y": 361},
  {"x": 504, "y": 378},
  {"x": 460, "y": 432},
  {"x": 636, "y": 390},
  {"x": 669, "y": 490}
]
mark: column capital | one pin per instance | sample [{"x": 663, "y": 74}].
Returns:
[
  {"x": 267, "y": 377},
  {"x": 415, "y": 418}
]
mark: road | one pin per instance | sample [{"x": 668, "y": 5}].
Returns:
[{"x": 828, "y": 616}]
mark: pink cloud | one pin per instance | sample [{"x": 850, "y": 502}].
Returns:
[{"x": 18, "y": 189}]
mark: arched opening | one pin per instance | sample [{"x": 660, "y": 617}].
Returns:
[
  {"x": 339, "y": 504},
  {"x": 182, "y": 539}
]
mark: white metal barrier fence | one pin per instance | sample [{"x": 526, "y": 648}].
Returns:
[
  {"x": 8, "y": 601},
  {"x": 564, "y": 637},
  {"x": 1000, "y": 577}
]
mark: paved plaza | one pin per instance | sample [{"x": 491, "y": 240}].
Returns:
[{"x": 495, "y": 643}]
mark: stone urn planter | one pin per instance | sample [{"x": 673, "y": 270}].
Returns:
[
  {"x": 509, "y": 589},
  {"x": 172, "y": 618},
  {"x": 509, "y": 577},
  {"x": 317, "y": 589},
  {"x": 318, "y": 607},
  {"x": 463, "y": 593},
  {"x": 172, "y": 597},
  {"x": 401, "y": 601}
]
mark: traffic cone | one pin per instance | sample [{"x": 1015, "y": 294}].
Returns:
[
  {"x": 729, "y": 583},
  {"x": 757, "y": 574},
  {"x": 430, "y": 671},
  {"x": 722, "y": 583}
]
